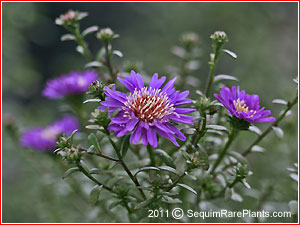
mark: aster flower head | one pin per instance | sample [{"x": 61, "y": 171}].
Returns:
[
  {"x": 243, "y": 106},
  {"x": 147, "y": 110},
  {"x": 69, "y": 84},
  {"x": 44, "y": 138}
]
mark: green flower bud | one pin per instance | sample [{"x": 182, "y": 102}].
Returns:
[
  {"x": 72, "y": 154},
  {"x": 106, "y": 35},
  {"x": 219, "y": 37},
  {"x": 189, "y": 39},
  {"x": 96, "y": 89}
]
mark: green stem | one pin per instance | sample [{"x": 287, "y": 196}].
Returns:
[
  {"x": 151, "y": 155},
  {"x": 100, "y": 155},
  {"x": 88, "y": 175},
  {"x": 133, "y": 178},
  {"x": 274, "y": 124},
  {"x": 176, "y": 182},
  {"x": 198, "y": 136},
  {"x": 108, "y": 64},
  {"x": 222, "y": 153},
  {"x": 212, "y": 68},
  {"x": 81, "y": 42}
]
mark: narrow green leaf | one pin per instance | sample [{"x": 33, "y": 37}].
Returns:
[
  {"x": 69, "y": 172},
  {"x": 118, "y": 53},
  {"x": 188, "y": 130},
  {"x": 257, "y": 148},
  {"x": 294, "y": 176},
  {"x": 92, "y": 100},
  {"x": 145, "y": 203},
  {"x": 92, "y": 139},
  {"x": 80, "y": 49},
  {"x": 164, "y": 156},
  {"x": 278, "y": 131},
  {"x": 255, "y": 129},
  {"x": 94, "y": 194},
  {"x": 146, "y": 169},
  {"x": 169, "y": 169},
  {"x": 89, "y": 30},
  {"x": 216, "y": 127},
  {"x": 170, "y": 200},
  {"x": 188, "y": 188},
  {"x": 125, "y": 145},
  {"x": 232, "y": 54},
  {"x": 93, "y": 127},
  {"x": 238, "y": 157},
  {"x": 96, "y": 64},
  {"x": 224, "y": 77},
  {"x": 228, "y": 194},
  {"x": 67, "y": 37},
  {"x": 280, "y": 101}
]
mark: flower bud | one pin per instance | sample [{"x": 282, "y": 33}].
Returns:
[
  {"x": 72, "y": 154},
  {"x": 96, "y": 89},
  {"x": 70, "y": 18},
  {"x": 106, "y": 35},
  {"x": 219, "y": 37},
  {"x": 189, "y": 39}
]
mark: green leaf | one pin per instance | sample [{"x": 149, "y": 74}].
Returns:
[
  {"x": 91, "y": 149},
  {"x": 216, "y": 127},
  {"x": 246, "y": 184},
  {"x": 188, "y": 130},
  {"x": 92, "y": 139},
  {"x": 171, "y": 200},
  {"x": 295, "y": 80},
  {"x": 224, "y": 77},
  {"x": 293, "y": 205},
  {"x": 280, "y": 101},
  {"x": 188, "y": 188},
  {"x": 114, "y": 204},
  {"x": 70, "y": 138},
  {"x": 125, "y": 145},
  {"x": 146, "y": 169},
  {"x": 89, "y": 30},
  {"x": 236, "y": 197},
  {"x": 255, "y": 130},
  {"x": 145, "y": 203},
  {"x": 96, "y": 64},
  {"x": 93, "y": 127},
  {"x": 67, "y": 37},
  {"x": 257, "y": 148},
  {"x": 69, "y": 172},
  {"x": 164, "y": 156},
  {"x": 80, "y": 49},
  {"x": 238, "y": 157},
  {"x": 294, "y": 176},
  {"x": 118, "y": 53},
  {"x": 95, "y": 193},
  {"x": 232, "y": 54},
  {"x": 278, "y": 131},
  {"x": 92, "y": 100},
  {"x": 228, "y": 194},
  {"x": 169, "y": 169}
]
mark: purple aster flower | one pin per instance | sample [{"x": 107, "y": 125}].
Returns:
[
  {"x": 44, "y": 139},
  {"x": 243, "y": 106},
  {"x": 146, "y": 111},
  {"x": 72, "y": 83}
]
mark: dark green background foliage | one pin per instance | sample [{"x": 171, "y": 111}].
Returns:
[{"x": 264, "y": 36}]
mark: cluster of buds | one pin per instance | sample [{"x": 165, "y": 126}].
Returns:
[
  {"x": 196, "y": 157},
  {"x": 189, "y": 39},
  {"x": 70, "y": 18},
  {"x": 67, "y": 149},
  {"x": 204, "y": 105},
  {"x": 96, "y": 90},
  {"x": 219, "y": 37},
  {"x": 106, "y": 35},
  {"x": 239, "y": 173},
  {"x": 101, "y": 119}
]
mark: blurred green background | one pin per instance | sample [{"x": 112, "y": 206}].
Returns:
[{"x": 263, "y": 35}]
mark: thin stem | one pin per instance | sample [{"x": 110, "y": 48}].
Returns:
[
  {"x": 176, "y": 182},
  {"x": 212, "y": 68},
  {"x": 151, "y": 155},
  {"x": 133, "y": 178},
  {"x": 100, "y": 155},
  {"x": 274, "y": 124},
  {"x": 81, "y": 42},
  {"x": 88, "y": 175},
  {"x": 108, "y": 63},
  {"x": 232, "y": 135},
  {"x": 197, "y": 137}
]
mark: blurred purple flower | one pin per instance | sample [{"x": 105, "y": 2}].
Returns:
[
  {"x": 243, "y": 106},
  {"x": 44, "y": 139},
  {"x": 72, "y": 83},
  {"x": 147, "y": 111}
]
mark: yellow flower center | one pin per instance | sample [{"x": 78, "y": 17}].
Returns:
[{"x": 241, "y": 106}]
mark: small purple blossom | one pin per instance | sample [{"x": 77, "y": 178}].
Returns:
[
  {"x": 44, "y": 139},
  {"x": 146, "y": 111},
  {"x": 69, "y": 84},
  {"x": 243, "y": 106}
]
